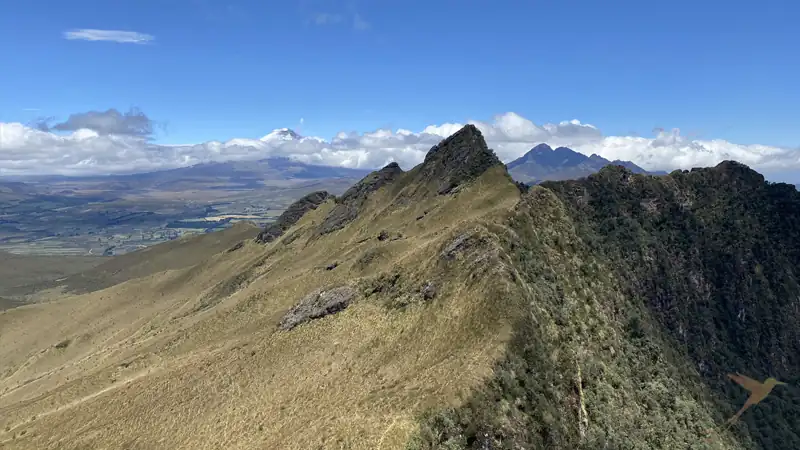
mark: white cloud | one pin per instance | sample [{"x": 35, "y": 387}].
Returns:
[
  {"x": 27, "y": 150},
  {"x": 124, "y": 37}
]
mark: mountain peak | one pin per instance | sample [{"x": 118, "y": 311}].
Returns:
[
  {"x": 281, "y": 134},
  {"x": 540, "y": 149},
  {"x": 543, "y": 163},
  {"x": 596, "y": 157},
  {"x": 459, "y": 158}
]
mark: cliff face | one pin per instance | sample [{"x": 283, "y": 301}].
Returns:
[{"x": 293, "y": 213}]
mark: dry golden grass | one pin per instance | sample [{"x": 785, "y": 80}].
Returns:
[
  {"x": 177, "y": 254},
  {"x": 21, "y": 275},
  {"x": 191, "y": 357}
]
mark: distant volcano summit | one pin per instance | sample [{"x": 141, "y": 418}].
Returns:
[{"x": 542, "y": 163}]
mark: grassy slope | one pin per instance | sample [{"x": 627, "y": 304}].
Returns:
[
  {"x": 194, "y": 367},
  {"x": 535, "y": 340},
  {"x": 23, "y": 274},
  {"x": 172, "y": 255}
]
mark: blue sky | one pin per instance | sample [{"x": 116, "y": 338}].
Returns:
[{"x": 224, "y": 69}]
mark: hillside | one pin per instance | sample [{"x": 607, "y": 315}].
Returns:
[
  {"x": 542, "y": 163},
  {"x": 23, "y": 275},
  {"x": 441, "y": 307}
]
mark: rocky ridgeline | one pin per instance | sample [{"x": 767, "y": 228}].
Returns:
[
  {"x": 350, "y": 203},
  {"x": 292, "y": 214},
  {"x": 458, "y": 159}
]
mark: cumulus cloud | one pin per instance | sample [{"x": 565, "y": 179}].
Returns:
[
  {"x": 123, "y": 37},
  {"x": 110, "y": 142},
  {"x": 132, "y": 123}
]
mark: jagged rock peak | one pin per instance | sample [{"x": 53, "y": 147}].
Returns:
[
  {"x": 293, "y": 213},
  {"x": 349, "y": 204},
  {"x": 392, "y": 166},
  {"x": 372, "y": 182},
  {"x": 459, "y": 158}
]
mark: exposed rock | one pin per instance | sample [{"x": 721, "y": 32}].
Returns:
[
  {"x": 458, "y": 159},
  {"x": 317, "y": 304},
  {"x": 350, "y": 203},
  {"x": 238, "y": 246},
  {"x": 457, "y": 245},
  {"x": 383, "y": 235},
  {"x": 292, "y": 214},
  {"x": 428, "y": 290},
  {"x": 332, "y": 266}
]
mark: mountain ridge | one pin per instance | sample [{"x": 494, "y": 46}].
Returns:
[
  {"x": 543, "y": 163},
  {"x": 451, "y": 308}
]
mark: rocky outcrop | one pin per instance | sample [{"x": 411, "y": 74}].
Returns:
[
  {"x": 317, "y": 304},
  {"x": 458, "y": 159},
  {"x": 292, "y": 214},
  {"x": 350, "y": 203}
]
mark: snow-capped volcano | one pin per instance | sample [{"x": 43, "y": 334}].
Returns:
[{"x": 281, "y": 134}]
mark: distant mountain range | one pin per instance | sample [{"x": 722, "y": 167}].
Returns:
[
  {"x": 232, "y": 174},
  {"x": 542, "y": 163},
  {"x": 243, "y": 174}
]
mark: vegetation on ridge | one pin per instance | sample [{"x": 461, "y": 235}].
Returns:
[
  {"x": 644, "y": 292},
  {"x": 448, "y": 307}
]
